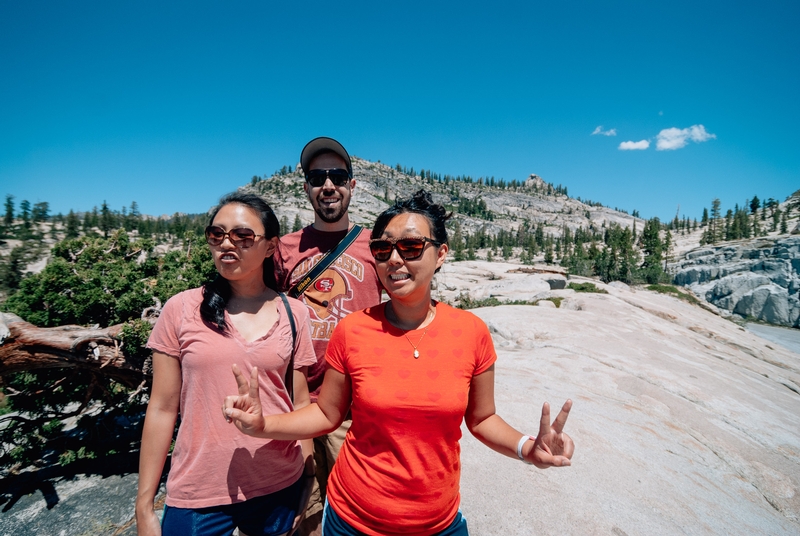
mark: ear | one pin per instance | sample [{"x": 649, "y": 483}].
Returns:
[
  {"x": 272, "y": 245},
  {"x": 352, "y": 185},
  {"x": 441, "y": 255},
  {"x": 305, "y": 187}
]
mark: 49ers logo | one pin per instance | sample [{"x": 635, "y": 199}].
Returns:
[{"x": 324, "y": 284}]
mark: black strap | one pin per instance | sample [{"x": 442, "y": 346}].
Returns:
[
  {"x": 323, "y": 264},
  {"x": 289, "y": 380}
]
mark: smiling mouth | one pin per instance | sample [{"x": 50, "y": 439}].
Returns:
[
  {"x": 227, "y": 257},
  {"x": 399, "y": 277}
]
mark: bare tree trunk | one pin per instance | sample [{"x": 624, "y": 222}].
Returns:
[{"x": 24, "y": 347}]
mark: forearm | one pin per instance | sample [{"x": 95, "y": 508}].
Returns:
[
  {"x": 156, "y": 440},
  {"x": 305, "y": 423},
  {"x": 499, "y": 436}
]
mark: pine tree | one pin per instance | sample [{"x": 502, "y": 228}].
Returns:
[
  {"x": 653, "y": 251},
  {"x": 106, "y": 219},
  {"x": 457, "y": 242},
  {"x": 8, "y": 219},
  {"x": 25, "y": 213},
  {"x": 72, "y": 225},
  {"x": 297, "y": 223}
]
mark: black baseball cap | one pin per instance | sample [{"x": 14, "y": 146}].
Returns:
[{"x": 321, "y": 145}]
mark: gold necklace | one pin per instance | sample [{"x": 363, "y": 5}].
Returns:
[{"x": 405, "y": 332}]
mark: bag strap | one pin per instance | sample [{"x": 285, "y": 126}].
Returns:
[
  {"x": 323, "y": 264},
  {"x": 289, "y": 380}
]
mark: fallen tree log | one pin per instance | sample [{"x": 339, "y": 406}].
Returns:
[{"x": 26, "y": 347}]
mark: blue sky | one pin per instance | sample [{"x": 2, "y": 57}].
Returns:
[{"x": 174, "y": 104}]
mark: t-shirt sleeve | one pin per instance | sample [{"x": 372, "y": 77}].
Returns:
[
  {"x": 335, "y": 353},
  {"x": 304, "y": 355},
  {"x": 164, "y": 337},
  {"x": 280, "y": 266},
  {"x": 485, "y": 355}
]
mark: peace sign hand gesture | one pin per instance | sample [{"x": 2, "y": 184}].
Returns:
[
  {"x": 552, "y": 446},
  {"x": 244, "y": 410}
]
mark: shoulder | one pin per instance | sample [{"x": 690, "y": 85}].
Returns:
[
  {"x": 193, "y": 296},
  {"x": 365, "y": 235},
  {"x": 370, "y": 316},
  {"x": 299, "y": 309},
  {"x": 466, "y": 319}
]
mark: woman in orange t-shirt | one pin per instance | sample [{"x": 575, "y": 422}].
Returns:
[{"x": 409, "y": 370}]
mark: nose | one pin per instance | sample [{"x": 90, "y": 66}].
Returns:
[
  {"x": 328, "y": 185},
  {"x": 395, "y": 257}
]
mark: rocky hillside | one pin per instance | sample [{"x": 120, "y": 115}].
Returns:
[{"x": 378, "y": 184}]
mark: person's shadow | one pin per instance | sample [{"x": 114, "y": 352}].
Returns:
[{"x": 119, "y": 440}]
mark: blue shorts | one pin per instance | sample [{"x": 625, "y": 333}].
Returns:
[
  {"x": 268, "y": 515},
  {"x": 333, "y": 525}
]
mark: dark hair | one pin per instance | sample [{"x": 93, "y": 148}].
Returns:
[
  {"x": 420, "y": 203},
  {"x": 216, "y": 293}
]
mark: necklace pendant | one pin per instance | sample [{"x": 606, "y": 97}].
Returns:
[{"x": 416, "y": 354}]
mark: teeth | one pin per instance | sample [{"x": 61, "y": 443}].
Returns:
[{"x": 398, "y": 277}]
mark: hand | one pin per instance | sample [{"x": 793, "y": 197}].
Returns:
[
  {"x": 552, "y": 446},
  {"x": 244, "y": 410},
  {"x": 147, "y": 523}
]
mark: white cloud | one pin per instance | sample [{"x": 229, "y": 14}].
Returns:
[
  {"x": 599, "y": 130},
  {"x": 634, "y": 145},
  {"x": 673, "y": 138}
]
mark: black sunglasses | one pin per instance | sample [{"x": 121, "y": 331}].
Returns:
[
  {"x": 317, "y": 177},
  {"x": 408, "y": 248},
  {"x": 241, "y": 237}
]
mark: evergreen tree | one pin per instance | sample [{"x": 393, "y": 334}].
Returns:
[
  {"x": 284, "y": 225},
  {"x": 297, "y": 223},
  {"x": 8, "y": 219},
  {"x": 12, "y": 277},
  {"x": 653, "y": 251},
  {"x": 548, "y": 253},
  {"x": 457, "y": 242},
  {"x": 40, "y": 212},
  {"x": 25, "y": 213},
  {"x": 106, "y": 219},
  {"x": 72, "y": 225}
]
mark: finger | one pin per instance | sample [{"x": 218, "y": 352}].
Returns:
[
  {"x": 234, "y": 415},
  {"x": 241, "y": 380},
  {"x": 544, "y": 422},
  {"x": 560, "y": 461},
  {"x": 254, "y": 383},
  {"x": 561, "y": 418},
  {"x": 228, "y": 403}
]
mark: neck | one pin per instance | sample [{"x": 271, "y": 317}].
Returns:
[
  {"x": 410, "y": 316},
  {"x": 331, "y": 227},
  {"x": 248, "y": 289}
]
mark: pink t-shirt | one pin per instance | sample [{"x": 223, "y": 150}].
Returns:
[
  {"x": 212, "y": 462},
  {"x": 349, "y": 284}
]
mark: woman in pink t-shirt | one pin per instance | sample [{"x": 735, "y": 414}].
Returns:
[
  {"x": 219, "y": 481},
  {"x": 409, "y": 370}
]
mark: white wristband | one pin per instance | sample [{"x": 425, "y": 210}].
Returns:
[{"x": 524, "y": 439}]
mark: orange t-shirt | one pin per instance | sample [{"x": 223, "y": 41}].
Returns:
[{"x": 399, "y": 468}]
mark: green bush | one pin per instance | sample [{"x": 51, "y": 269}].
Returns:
[
  {"x": 586, "y": 287},
  {"x": 669, "y": 289},
  {"x": 90, "y": 280}
]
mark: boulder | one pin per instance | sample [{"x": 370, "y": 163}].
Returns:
[
  {"x": 556, "y": 282},
  {"x": 758, "y": 278}
]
